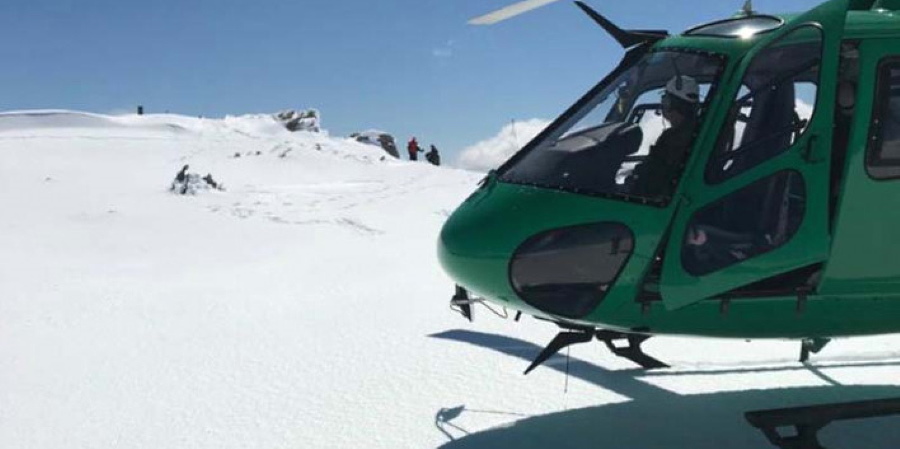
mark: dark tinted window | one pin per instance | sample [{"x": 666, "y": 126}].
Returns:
[
  {"x": 773, "y": 107},
  {"x": 752, "y": 221},
  {"x": 883, "y": 156},
  {"x": 744, "y": 27},
  {"x": 568, "y": 271}
]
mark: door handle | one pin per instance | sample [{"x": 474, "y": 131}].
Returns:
[{"x": 810, "y": 149}]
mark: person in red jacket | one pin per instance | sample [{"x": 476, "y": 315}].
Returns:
[{"x": 413, "y": 148}]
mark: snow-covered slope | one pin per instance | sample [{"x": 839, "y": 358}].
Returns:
[{"x": 304, "y": 307}]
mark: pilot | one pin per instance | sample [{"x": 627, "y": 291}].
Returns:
[{"x": 680, "y": 106}]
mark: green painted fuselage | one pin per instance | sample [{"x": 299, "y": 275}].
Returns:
[{"x": 846, "y": 245}]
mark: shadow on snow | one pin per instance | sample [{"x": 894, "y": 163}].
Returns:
[{"x": 659, "y": 418}]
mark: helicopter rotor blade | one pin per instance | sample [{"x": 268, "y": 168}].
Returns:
[{"x": 509, "y": 12}]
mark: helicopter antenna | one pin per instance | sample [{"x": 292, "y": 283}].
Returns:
[
  {"x": 509, "y": 12},
  {"x": 747, "y": 9}
]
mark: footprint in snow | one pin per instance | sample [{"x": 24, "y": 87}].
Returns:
[{"x": 359, "y": 227}]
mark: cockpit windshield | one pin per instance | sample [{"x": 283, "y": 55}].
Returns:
[{"x": 631, "y": 139}]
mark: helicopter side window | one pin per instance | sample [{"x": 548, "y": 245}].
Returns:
[
  {"x": 883, "y": 154},
  {"x": 773, "y": 107},
  {"x": 752, "y": 221}
]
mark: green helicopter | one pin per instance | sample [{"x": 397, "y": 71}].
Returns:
[{"x": 738, "y": 180}]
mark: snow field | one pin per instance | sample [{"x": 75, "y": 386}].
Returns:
[{"x": 304, "y": 307}]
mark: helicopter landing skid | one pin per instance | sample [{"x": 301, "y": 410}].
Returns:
[
  {"x": 632, "y": 351},
  {"x": 814, "y": 345}
]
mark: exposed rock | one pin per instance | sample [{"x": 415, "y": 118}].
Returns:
[
  {"x": 293, "y": 120},
  {"x": 378, "y": 138},
  {"x": 186, "y": 183}
]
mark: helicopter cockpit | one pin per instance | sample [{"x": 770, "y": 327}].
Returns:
[{"x": 604, "y": 142}]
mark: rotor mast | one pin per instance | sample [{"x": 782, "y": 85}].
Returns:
[{"x": 747, "y": 9}]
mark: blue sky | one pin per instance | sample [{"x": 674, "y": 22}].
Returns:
[{"x": 409, "y": 67}]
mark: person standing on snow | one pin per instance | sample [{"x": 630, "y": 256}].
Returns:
[
  {"x": 413, "y": 148},
  {"x": 433, "y": 156}
]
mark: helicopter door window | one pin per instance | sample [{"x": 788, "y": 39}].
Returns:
[
  {"x": 773, "y": 107},
  {"x": 749, "y": 222},
  {"x": 883, "y": 154}
]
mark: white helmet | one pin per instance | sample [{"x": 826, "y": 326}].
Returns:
[{"x": 685, "y": 88}]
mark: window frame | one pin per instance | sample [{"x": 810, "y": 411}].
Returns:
[
  {"x": 528, "y": 298},
  {"x": 880, "y": 107}
]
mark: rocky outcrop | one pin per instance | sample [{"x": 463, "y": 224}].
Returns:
[{"x": 293, "y": 120}]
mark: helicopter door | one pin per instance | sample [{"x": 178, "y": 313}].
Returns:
[
  {"x": 864, "y": 253},
  {"x": 756, "y": 206}
]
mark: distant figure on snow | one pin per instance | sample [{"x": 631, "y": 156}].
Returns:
[
  {"x": 433, "y": 156},
  {"x": 413, "y": 148}
]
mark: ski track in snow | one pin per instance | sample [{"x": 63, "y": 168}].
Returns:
[{"x": 304, "y": 307}]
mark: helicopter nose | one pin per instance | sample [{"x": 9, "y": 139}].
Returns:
[
  {"x": 475, "y": 246},
  {"x": 514, "y": 248}
]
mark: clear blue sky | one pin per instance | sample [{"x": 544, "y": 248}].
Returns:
[{"x": 410, "y": 67}]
